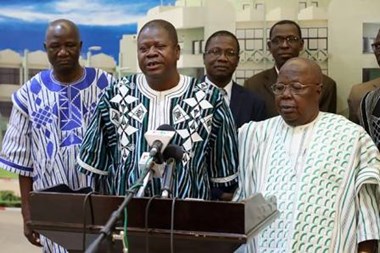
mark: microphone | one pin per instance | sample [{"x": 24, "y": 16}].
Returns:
[
  {"x": 172, "y": 153},
  {"x": 159, "y": 139},
  {"x": 151, "y": 169}
]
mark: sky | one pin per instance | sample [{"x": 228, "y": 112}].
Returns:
[{"x": 101, "y": 22}]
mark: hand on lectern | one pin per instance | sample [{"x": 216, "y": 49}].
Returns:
[{"x": 32, "y": 236}]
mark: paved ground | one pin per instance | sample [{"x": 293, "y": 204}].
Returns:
[{"x": 12, "y": 239}]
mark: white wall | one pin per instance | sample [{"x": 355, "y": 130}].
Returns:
[{"x": 346, "y": 61}]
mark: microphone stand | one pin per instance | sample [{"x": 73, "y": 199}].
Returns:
[
  {"x": 106, "y": 231},
  {"x": 167, "y": 181}
]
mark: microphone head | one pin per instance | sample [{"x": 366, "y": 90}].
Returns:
[
  {"x": 173, "y": 151},
  {"x": 165, "y": 127},
  {"x": 160, "y": 138}
]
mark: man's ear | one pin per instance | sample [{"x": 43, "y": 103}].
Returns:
[
  {"x": 269, "y": 45},
  {"x": 178, "y": 51},
  {"x": 237, "y": 62},
  {"x": 302, "y": 43},
  {"x": 80, "y": 45},
  {"x": 45, "y": 46},
  {"x": 319, "y": 90}
]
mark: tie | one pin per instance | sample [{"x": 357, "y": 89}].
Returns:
[{"x": 225, "y": 95}]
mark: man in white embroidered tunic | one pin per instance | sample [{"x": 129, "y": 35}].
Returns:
[
  {"x": 203, "y": 124},
  {"x": 323, "y": 170},
  {"x": 48, "y": 121}
]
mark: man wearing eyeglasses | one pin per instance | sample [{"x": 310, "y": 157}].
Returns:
[
  {"x": 369, "y": 113},
  {"x": 285, "y": 43},
  {"x": 323, "y": 170},
  {"x": 221, "y": 58},
  {"x": 359, "y": 90}
]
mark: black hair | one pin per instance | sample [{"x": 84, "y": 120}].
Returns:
[
  {"x": 160, "y": 23},
  {"x": 286, "y": 22},
  {"x": 222, "y": 33}
]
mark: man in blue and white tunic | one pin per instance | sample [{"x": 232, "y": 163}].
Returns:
[{"x": 50, "y": 115}]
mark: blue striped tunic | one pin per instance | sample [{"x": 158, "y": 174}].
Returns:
[
  {"x": 46, "y": 127},
  {"x": 202, "y": 121}
]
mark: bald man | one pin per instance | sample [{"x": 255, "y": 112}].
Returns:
[
  {"x": 323, "y": 170},
  {"x": 203, "y": 124},
  {"x": 49, "y": 117}
]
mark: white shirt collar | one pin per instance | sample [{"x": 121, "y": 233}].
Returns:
[{"x": 227, "y": 88}]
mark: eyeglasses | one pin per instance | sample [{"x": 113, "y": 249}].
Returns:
[
  {"x": 217, "y": 52},
  {"x": 290, "y": 40},
  {"x": 376, "y": 46},
  {"x": 295, "y": 88}
]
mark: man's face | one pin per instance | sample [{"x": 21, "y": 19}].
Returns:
[
  {"x": 377, "y": 45},
  {"x": 221, "y": 58},
  {"x": 63, "y": 48},
  {"x": 285, "y": 43},
  {"x": 301, "y": 108},
  {"x": 157, "y": 53}
]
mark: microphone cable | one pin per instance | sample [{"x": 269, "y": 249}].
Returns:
[
  {"x": 172, "y": 225},
  {"x": 146, "y": 221},
  {"x": 137, "y": 185},
  {"x": 88, "y": 199},
  {"x": 125, "y": 226}
]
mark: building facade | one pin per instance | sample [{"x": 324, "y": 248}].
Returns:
[{"x": 337, "y": 35}]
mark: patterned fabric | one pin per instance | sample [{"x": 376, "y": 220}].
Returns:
[
  {"x": 325, "y": 176},
  {"x": 370, "y": 115},
  {"x": 47, "y": 124},
  {"x": 204, "y": 128}
]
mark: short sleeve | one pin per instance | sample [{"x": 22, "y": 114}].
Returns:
[
  {"x": 95, "y": 155},
  {"x": 223, "y": 158},
  {"x": 16, "y": 149}
]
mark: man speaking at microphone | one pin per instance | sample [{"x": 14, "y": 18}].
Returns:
[{"x": 203, "y": 124}]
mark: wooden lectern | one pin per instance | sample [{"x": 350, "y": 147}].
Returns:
[{"x": 199, "y": 226}]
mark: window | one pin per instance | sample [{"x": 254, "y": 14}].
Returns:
[
  {"x": 370, "y": 74},
  {"x": 246, "y": 6},
  {"x": 5, "y": 109},
  {"x": 369, "y": 34},
  {"x": 302, "y": 5},
  {"x": 10, "y": 76},
  {"x": 243, "y": 74},
  {"x": 315, "y": 38},
  {"x": 250, "y": 39},
  {"x": 197, "y": 46},
  {"x": 314, "y": 3},
  {"x": 33, "y": 72},
  {"x": 259, "y": 7}
]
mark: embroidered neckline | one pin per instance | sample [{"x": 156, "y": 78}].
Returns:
[{"x": 79, "y": 80}]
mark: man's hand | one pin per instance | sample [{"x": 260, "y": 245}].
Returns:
[
  {"x": 25, "y": 188},
  {"x": 32, "y": 236}
]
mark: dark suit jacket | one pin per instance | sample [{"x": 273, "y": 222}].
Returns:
[
  {"x": 261, "y": 85},
  {"x": 246, "y": 105}
]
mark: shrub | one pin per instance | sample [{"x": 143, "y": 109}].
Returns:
[{"x": 9, "y": 199}]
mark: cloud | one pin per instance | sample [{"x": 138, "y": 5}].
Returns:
[{"x": 82, "y": 12}]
